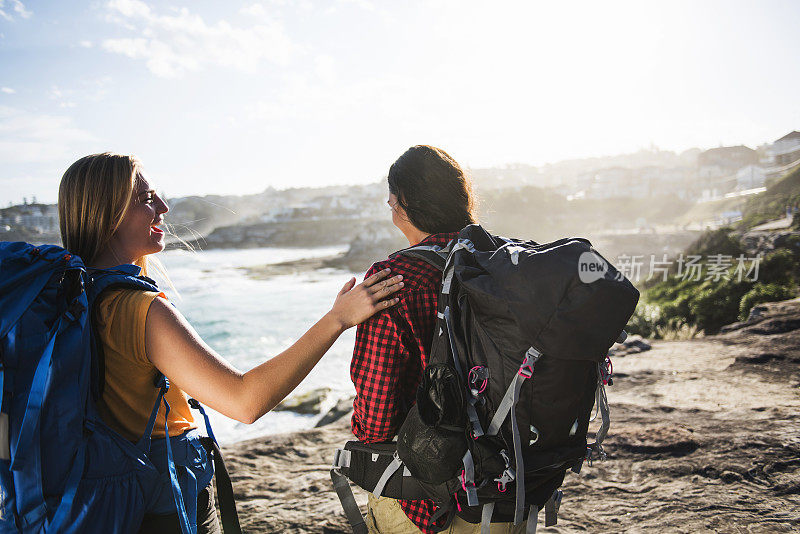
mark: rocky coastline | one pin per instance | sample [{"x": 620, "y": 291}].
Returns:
[{"x": 704, "y": 438}]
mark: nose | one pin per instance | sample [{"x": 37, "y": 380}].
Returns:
[{"x": 161, "y": 206}]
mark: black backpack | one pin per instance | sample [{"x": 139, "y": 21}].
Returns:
[{"x": 518, "y": 360}]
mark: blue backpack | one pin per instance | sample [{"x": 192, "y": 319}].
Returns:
[{"x": 62, "y": 469}]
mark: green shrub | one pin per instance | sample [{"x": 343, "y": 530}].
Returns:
[
  {"x": 777, "y": 267},
  {"x": 715, "y": 242},
  {"x": 679, "y": 308},
  {"x": 644, "y": 319},
  {"x": 771, "y": 204},
  {"x": 676, "y": 329},
  {"x": 764, "y": 292},
  {"x": 716, "y": 304}
]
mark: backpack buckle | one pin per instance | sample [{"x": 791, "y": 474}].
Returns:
[
  {"x": 595, "y": 452},
  {"x": 508, "y": 475},
  {"x": 464, "y": 483},
  {"x": 505, "y": 477},
  {"x": 478, "y": 378},
  {"x": 526, "y": 371},
  {"x": 606, "y": 372}
]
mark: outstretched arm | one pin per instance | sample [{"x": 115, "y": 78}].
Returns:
[{"x": 176, "y": 349}]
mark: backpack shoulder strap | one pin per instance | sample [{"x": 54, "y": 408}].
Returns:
[
  {"x": 98, "y": 281},
  {"x": 431, "y": 254},
  {"x": 120, "y": 277}
]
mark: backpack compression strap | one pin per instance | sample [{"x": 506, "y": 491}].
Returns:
[
  {"x": 187, "y": 526},
  {"x": 348, "y": 501},
  {"x": 227, "y": 503},
  {"x": 228, "y": 514},
  {"x": 508, "y": 404},
  {"x": 377, "y": 469}
]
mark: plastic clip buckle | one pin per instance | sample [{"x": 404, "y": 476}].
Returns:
[{"x": 526, "y": 371}]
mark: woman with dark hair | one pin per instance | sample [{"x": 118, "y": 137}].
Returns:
[{"x": 431, "y": 200}]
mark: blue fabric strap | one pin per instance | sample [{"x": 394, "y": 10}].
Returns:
[
  {"x": 2, "y": 376},
  {"x": 197, "y": 406},
  {"x": 73, "y": 479},
  {"x": 144, "y": 442},
  {"x": 34, "y": 406},
  {"x": 187, "y": 527},
  {"x": 26, "y": 449}
]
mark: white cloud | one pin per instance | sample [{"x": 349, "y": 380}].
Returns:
[
  {"x": 34, "y": 138},
  {"x": 17, "y": 6},
  {"x": 85, "y": 44},
  {"x": 7, "y": 90},
  {"x": 58, "y": 94},
  {"x": 183, "y": 41},
  {"x": 363, "y": 4},
  {"x": 254, "y": 10}
]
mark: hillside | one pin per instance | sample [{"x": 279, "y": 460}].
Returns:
[{"x": 772, "y": 203}]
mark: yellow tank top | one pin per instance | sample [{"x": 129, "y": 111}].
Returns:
[{"x": 129, "y": 393}]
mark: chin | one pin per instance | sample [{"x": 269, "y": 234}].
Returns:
[{"x": 154, "y": 247}]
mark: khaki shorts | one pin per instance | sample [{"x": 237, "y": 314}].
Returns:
[{"x": 384, "y": 516}]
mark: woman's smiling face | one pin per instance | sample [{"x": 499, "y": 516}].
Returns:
[{"x": 139, "y": 233}]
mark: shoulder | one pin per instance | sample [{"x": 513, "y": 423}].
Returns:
[
  {"x": 417, "y": 274},
  {"x": 124, "y": 301},
  {"x": 121, "y": 317}
]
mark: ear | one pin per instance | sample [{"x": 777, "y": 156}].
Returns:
[{"x": 402, "y": 214}]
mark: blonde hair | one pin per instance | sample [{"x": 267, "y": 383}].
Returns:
[{"x": 93, "y": 197}]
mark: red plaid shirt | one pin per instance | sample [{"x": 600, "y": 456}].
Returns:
[{"x": 389, "y": 356}]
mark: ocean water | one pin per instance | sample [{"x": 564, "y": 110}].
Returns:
[{"x": 247, "y": 321}]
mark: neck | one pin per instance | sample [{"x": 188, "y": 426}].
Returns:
[
  {"x": 108, "y": 258},
  {"x": 414, "y": 235}
]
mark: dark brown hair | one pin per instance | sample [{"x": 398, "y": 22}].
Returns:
[{"x": 433, "y": 190}]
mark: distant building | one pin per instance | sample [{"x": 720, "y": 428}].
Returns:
[
  {"x": 750, "y": 177},
  {"x": 717, "y": 168},
  {"x": 42, "y": 218},
  {"x": 782, "y": 155},
  {"x": 786, "y": 150},
  {"x": 724, "y": 161},
  {"x": 663, "y": 181},
  {"x": 614, "y": 182}
]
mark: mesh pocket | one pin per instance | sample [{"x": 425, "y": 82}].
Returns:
[{"x": 432, "y": 455}]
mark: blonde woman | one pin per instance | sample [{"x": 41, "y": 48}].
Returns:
[{"x": 111, "y": 216}]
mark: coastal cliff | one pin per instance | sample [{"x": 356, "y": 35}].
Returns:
[{"x": 704, "y": 437}]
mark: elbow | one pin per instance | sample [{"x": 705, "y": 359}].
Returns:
[
  {"x": 246, "y": 416},
  {"x": 249, "y": 403},
  {"x": 367, "y": 431},
  {"x": 248, "y": 419},
  {"x": 246, "y": 411},
  {"x": 251, "y": 413}
]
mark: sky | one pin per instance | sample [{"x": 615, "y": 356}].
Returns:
[{"x": 234, "y": 97}]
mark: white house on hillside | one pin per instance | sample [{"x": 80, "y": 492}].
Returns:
[
  {"x": 785, "y": 150},
  {"x": 782, "y": 155},
  {"x": 750, "y": 177}
]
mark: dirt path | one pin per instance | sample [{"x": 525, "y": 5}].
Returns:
[{"x": 705, "y": 437}]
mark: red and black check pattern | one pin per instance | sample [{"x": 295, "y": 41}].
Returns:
[{"x": 390, "y": 353}]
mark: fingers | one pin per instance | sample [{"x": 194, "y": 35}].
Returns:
[
  {"x": 389, "y": 287},
  {"x": 383, "y": 284},
  {"x": 372, "y": 280},
  {"x": 348, "y": 286},
  {"x": 382, "y": 305}
]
